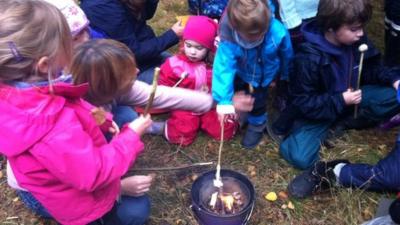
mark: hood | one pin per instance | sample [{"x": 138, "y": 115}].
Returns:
[
  {"x": 314, "y": 35},
  {"x": 29, "y": 114}
]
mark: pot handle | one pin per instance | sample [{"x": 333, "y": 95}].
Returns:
[{"x": 249, "y": 215}]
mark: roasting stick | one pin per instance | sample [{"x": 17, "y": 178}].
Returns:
[
  {"x": 200, "y": 164},
  {"x": 184, "y": 74},
  {"x": 153, "y": 91},
  {"x": 217, "y": 181},
  {"x": 362, "y": 48}
]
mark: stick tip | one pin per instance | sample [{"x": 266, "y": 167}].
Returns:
[{"x": 363, "y": 48}]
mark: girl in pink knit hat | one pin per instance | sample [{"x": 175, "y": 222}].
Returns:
[{"x": 192, "y": 69}]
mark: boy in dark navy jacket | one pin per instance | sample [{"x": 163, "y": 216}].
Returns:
[{"x": 323, "y": 85}]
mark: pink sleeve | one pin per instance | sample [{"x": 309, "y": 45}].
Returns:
[{"x": 72, "y": 157}]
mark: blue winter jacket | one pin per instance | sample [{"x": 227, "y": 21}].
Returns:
[
  {"x": 315, "y": 86},
  {"x": 257, "y": 66},
  {"x": 117, "y": 22}
]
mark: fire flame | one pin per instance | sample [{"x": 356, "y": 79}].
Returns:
[{"x": 228, "y": 201}]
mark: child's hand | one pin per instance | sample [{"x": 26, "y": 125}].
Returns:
[
  {"x": 352, "y": 97},
  {"x": 141, "y": 124},
  {"x": 243, "y": 102},
  {"x": 178, "y": 28},
  {"x": 114, "y": 129},
  {"x": 136, "y": 185}
]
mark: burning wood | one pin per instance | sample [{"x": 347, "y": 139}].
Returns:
[{"x": 225, "y": 203}]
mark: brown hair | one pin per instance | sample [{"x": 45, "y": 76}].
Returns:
[
  {"x": 107, "y": 65},
  {"x": 332, "y": 14},
  {"x": 249, "y": 16},
  {"x": 29, "y": 30}
]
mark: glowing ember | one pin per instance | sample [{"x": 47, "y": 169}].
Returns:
[{"x": 225, "y": 203}]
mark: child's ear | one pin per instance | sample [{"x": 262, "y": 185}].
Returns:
[{"x": 43, "y": 65}]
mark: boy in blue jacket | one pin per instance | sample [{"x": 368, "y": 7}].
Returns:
[
  {"x": 254, "y": 49},
  {"x": 323, "y": 84}
]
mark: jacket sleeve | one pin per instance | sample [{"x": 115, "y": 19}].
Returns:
[
  {"x": 151, "y": 7},
  {"x": 289, "y": 15},
  {"x": 113, "y": 20},
  {"x": 224, "y": 71},
  {"x": 167, "y": 75},
  {"x": 306, "y": 92},
  {"x": 167, "y": 98},
  {"x": 72, "y": 156},
  {"x": 374, "y": 72},
  {"x": 286, "y": 56}
]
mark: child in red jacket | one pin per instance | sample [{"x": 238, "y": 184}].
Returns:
[{"x": 191, "y": 68}]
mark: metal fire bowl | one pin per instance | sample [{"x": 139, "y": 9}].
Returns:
[{"x": 203, "y": 187}]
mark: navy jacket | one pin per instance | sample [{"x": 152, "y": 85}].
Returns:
[
  {"x": 314, "y": 87},
  {"x": 392, "y": 10},
  {"x": 117, "y": 22}
]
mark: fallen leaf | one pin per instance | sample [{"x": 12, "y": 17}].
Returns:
[
  {"x": 284, "y": 206},
  {"x": 283, "y": 195},
  {"x": 1, "y": 174},
  {"x": 271, "y": 196},
  {"x": 253, "y": 173},
  {"x": 15, "y": 199},
  {"x": 290, "y": 205}
]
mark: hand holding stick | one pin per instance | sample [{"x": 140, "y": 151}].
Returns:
[
  {"x": 363, "y": 48},
  {"x": 184, "y": 74},
  {"x": 153, "y": 91}
]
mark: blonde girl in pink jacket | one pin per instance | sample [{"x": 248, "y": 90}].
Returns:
[{"x": 54, "y": 144}]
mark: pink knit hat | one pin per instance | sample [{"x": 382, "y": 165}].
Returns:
[
  {"x": 202, "y": 30},
  {"x": 75, "y": 16}
]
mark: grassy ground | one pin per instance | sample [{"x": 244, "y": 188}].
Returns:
[{"x": 267, "y": 170}]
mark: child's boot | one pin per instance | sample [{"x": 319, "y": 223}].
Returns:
[
  {"x": 318, "y": 177},
  {"x": 253, "y": 135}
]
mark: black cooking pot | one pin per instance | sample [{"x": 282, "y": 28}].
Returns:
[{"x": 202, "y": 189}]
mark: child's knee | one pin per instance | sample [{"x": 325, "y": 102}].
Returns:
[
  {"x": 299, "y": 158},
  {"x": 137, "y": 210}
]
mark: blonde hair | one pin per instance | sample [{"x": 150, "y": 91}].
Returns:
[
  {"x": 249, "y": 16},
  {"x": 29, "y": 30},
  {"x": 107, "y": 65}
]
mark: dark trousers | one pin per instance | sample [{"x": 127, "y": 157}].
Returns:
[
  {"x": 383, "y": 176},
  {"x": 257, "y": 116},
  {"x": 301, "y": 147}
]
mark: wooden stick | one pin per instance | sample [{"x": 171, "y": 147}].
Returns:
[
  {"x": 172, "y": 168},
  {"x": 251, "y": 89},
  {"x": 153, "y": 91},
  {"x": 363, "y": 48},
  {"x": 217, "y": 181},
  {"x": 183, "y": 76}
]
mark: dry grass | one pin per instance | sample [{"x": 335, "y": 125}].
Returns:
[{"x": 267, "y": 170}]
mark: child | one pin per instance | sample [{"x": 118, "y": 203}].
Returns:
[
  {"x": 325, "y": 78},
  {"x": 198, "y": 48},
  {"x": 57, "y": 152},
  {"x": 254, "y": 48},
  {"x": 110, "y": 69},
  {"x": 77, "y": 21},
  {"x": 121, "y": 106},
  {"x": 383, "y": 176}
]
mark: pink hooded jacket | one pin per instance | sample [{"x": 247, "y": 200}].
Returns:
[{"x": 59, "y": 154}]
